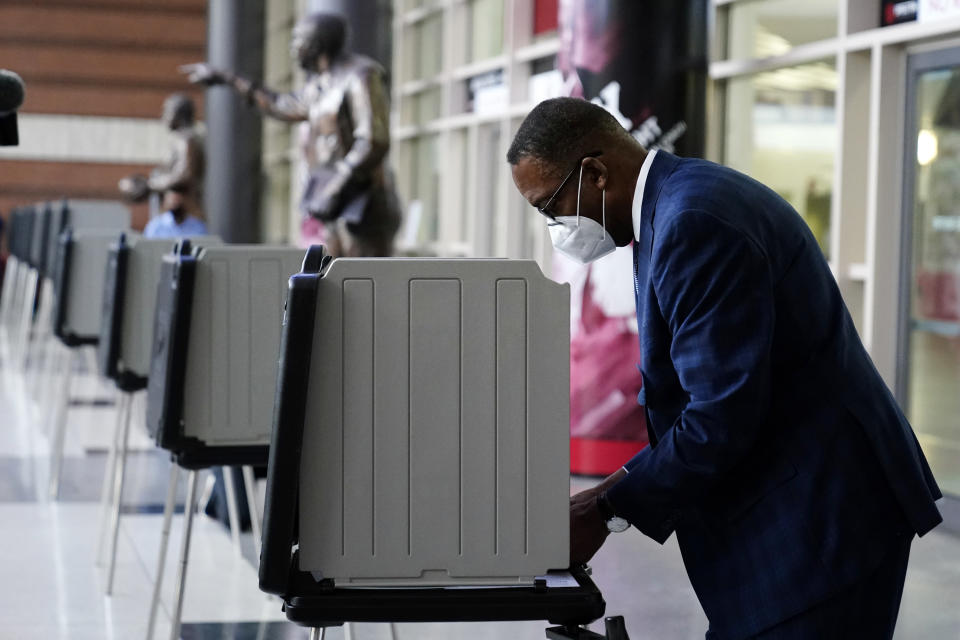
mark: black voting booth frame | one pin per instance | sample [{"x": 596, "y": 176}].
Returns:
[{"x": 321, "y": 604}]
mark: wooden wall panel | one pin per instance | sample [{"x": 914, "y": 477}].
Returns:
[
  {"x": 108, "y": 28},
  {"x": 116, "y": 101},
  {"x": 141, "y": 67},
  {"x": 110, "y": 58},
  {"x": 102, "y": 57},
  {"x": 182, "y": 7}
]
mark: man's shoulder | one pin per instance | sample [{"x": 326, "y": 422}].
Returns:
[
  {"x": 158, "y": 226},
  {"x": 725, "y": 193},
  {"x": 193, "y": 226},
  {"x": 692, "y": 175}
]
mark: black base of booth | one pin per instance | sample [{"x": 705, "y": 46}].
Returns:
[
  {"x": 129, "y": 382},
  {"x": 317, "y": 604},
  {"x": 205, "y": 457}
]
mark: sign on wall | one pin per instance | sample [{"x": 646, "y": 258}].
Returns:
[
  {"x": 932, "y": 10},
  {"x": 645, "y": 62},
  {"x": 898, "y": 11}
]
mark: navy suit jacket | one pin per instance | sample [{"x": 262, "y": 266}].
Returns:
[{"x": 778, "y": 455}]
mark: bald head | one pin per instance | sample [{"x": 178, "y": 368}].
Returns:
[
  {"x": 560, "y": 130},
  {"x": 571, "y": 157}
]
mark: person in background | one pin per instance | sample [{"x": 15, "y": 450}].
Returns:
[
  {"x": 778, "y": 456},
  {"x": 175, "y": 221}
]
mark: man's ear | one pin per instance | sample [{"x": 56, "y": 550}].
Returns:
[{"x": 595, "y": 171}]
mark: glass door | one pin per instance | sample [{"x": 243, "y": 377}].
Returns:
[{"x": 929, "y": 380}]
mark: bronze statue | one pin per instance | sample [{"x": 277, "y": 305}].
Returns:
[
  {"x": 184, "y": 171},
  {"x": 345, "y": 105}
]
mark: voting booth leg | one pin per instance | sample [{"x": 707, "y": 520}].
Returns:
[
  {"x": 106, "y": 497},
  {"x": 250, "y": 484},
  {"x": 118, "y": 478},
  {"x": 41, "y": 370},
  {"x": 6, "y": 294},
  {"x": 48, "y": 410},
  {"x": 16, "y": 309},
  {"x": 60, "y": 428},
  {"x": 26, "y": 320},
  {"x": 232, "y": 511},
  {"x": 168, "y": 507},
  {"x": 10, "y": 313},
  {"x": 189, "y": 508},
  {"x": 16, "y": 327}
]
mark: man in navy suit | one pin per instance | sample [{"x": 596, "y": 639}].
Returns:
[{"x": 778, "y": 456}]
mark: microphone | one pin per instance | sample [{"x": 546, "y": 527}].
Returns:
[{"x": 12, "y": 93}]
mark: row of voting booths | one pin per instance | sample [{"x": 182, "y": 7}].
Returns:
[{"x": 412, "y": 413}]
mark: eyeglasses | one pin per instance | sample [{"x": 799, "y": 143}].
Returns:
[{"x": 545, "y": 209}]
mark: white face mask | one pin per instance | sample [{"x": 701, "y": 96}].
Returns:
[{"x": 581, "y": 238}]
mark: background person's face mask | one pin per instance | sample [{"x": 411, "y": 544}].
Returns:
[{"x": 582, "y": 238}]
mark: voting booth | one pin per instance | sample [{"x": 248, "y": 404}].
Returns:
[
  {"x": 81, "y": 215},
  {"x": 78, "y": 283},
  {"x": 79, "y": 264},
  {"x": 213, "y": 371},
  {"x": 18, "y": 235},
  {"x": 19, "y": 320},
  {"x": 123, "y": 354},
  {"x": 215, "y": 343},
  {"x": 419, "y": 457},
  {"x": 80, "y": 232},
  {"x": 129, "y": 303}
]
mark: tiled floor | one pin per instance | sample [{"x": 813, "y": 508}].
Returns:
[{"x": 51, "y": 587}]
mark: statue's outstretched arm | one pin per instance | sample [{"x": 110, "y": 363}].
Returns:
[{"x": 283, "y": 106}]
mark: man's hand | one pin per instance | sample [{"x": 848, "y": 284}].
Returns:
[
  {"x": 587, "y": 528},
  {"x": 203, "y": 73}
]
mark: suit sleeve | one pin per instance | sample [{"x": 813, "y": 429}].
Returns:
[{"x": 715, "y": 292}]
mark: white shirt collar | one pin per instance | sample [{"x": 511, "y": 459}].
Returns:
[{"x": 638, "y": 193}]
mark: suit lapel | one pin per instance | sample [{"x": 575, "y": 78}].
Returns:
[{"x": 663, "y": 165}]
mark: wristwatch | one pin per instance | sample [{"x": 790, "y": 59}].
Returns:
[{"x": 615, "y": 524}]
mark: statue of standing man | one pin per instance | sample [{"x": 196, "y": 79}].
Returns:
[
  {"x": 181, "y": 178},
  {"x": 346, "y": 107}
]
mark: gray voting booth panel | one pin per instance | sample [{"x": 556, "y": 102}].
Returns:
[
  {"x": 79, "y": 293},
  {"x": 144, "y": 260},
  {"x": 82, "y": 215},
  {"x": 232, "y": 353},
  {"x": 436, "y": 437}
]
